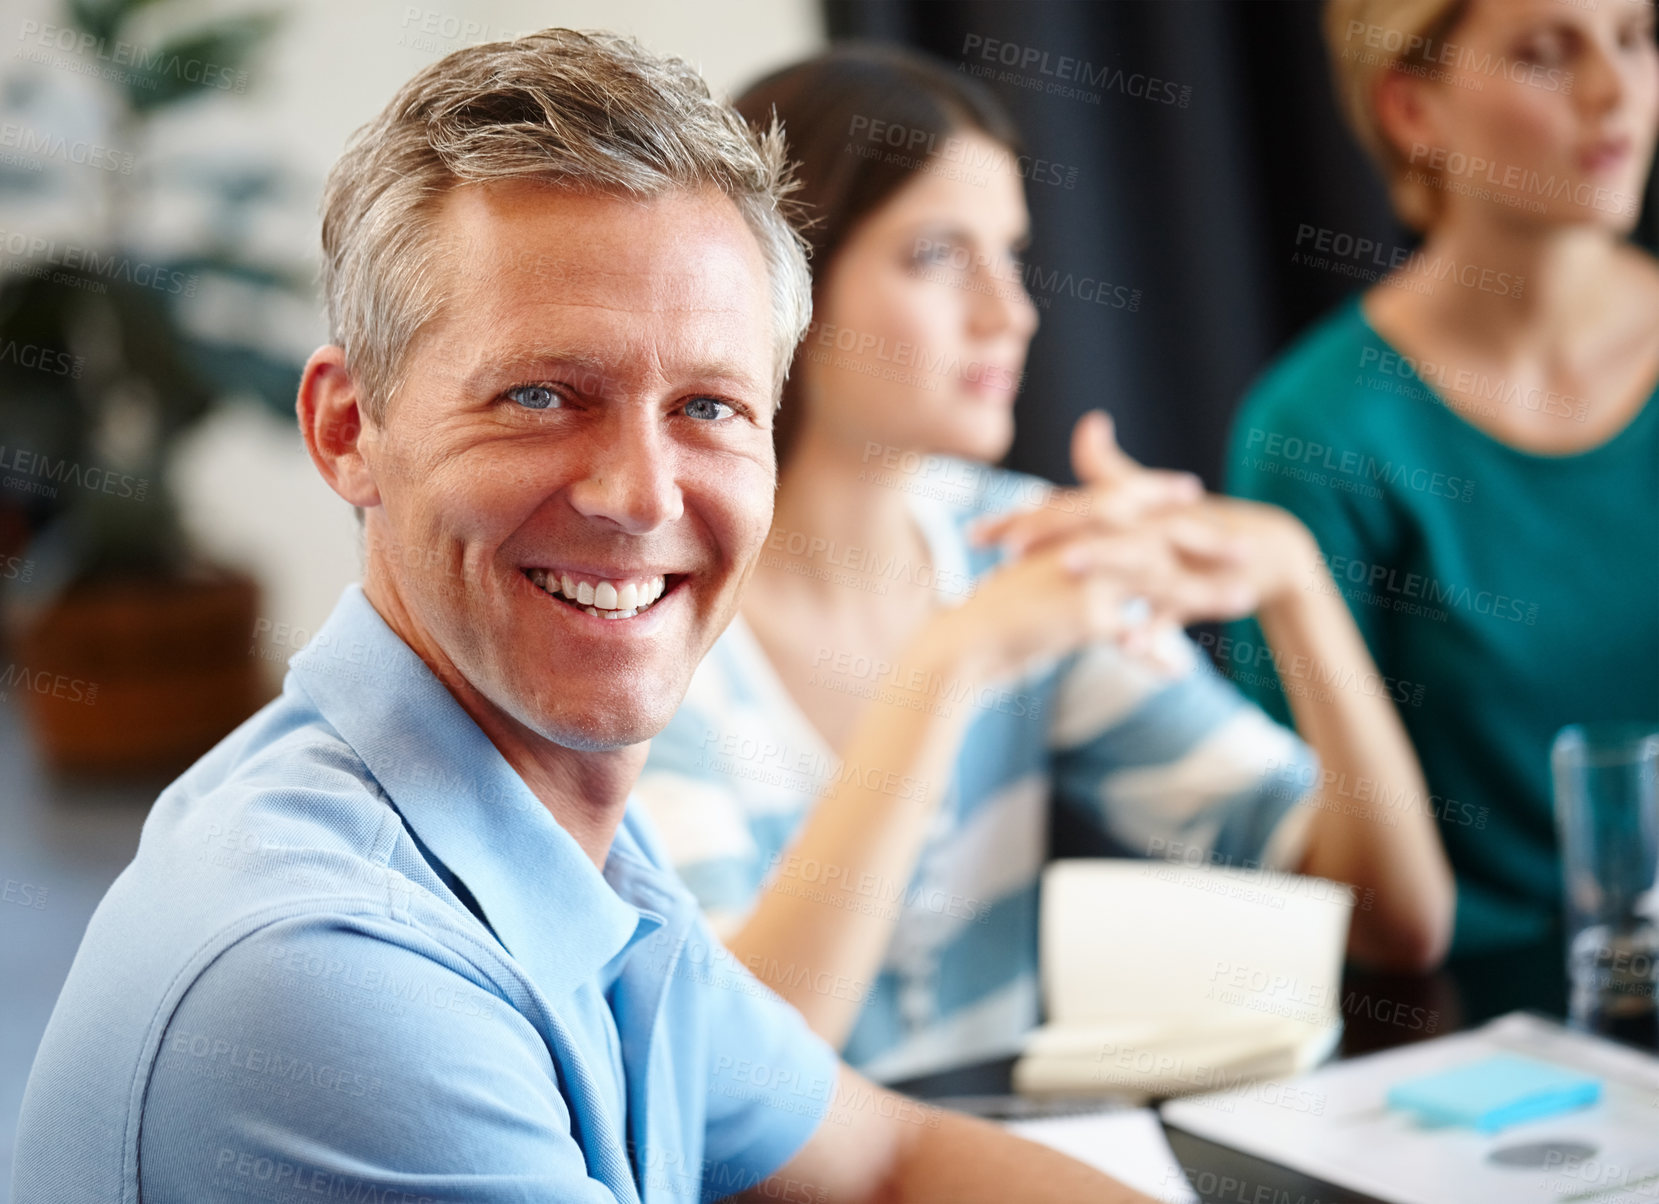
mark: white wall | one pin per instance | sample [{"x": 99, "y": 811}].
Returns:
[{"x": 250, "y": 495}]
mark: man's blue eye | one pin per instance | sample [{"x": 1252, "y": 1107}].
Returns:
[
  {"x": 534, "y": 397},
  {"x": 707, "y": 408}
]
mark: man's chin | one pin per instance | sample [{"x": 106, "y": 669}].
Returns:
[{"x": 601, "y": 727}]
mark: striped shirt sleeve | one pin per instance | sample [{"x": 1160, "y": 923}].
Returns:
[
  {"x": 1175, "y": 763},
  {"x": 700, "y": 817}
]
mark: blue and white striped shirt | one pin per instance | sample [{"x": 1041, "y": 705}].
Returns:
[{"x": 1157, "y": 763}]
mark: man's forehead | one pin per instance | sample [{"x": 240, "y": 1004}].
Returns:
[
  {"x": 532, "y": 268},
  {"x": 577, "y": 276},
  {"x": 606, "y": 320},
  {"x": 682, "y": 244}
]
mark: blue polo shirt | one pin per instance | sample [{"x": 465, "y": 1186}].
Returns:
[{"x": 356, "y": 959}]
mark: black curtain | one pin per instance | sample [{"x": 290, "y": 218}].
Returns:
[{"x": 1168, "y": 195}]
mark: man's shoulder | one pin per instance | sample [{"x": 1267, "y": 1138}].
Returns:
[
  {"x": 279, "y": 819},
  {"x": 268, "y": 767},
  {"x": 282, "y": 806},
  {"x": 282, "y": 817},
  {"x": 272, "y": 877},
  {"x": 325, "y": 1046}
]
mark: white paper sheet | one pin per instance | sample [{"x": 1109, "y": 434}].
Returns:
[
  {"x": 1129, "y": 1145},
  {"x": 1335, "y": 1124}
]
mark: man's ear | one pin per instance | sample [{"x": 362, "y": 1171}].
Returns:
[{"x": 333, "y": 424}]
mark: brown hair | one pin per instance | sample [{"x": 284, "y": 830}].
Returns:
[
  {"x": 830, "y": 105},
  {"x": 588, "y": 111}
]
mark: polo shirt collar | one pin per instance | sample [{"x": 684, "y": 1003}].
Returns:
[{"x": 547, "y": 902}]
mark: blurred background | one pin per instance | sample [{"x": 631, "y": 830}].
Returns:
[{"x": 165, "y": 545}]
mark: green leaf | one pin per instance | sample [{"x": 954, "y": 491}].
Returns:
[
  {"x": 203, "y": 63},
  {"x": 104, "y": 18},
  {"x": 96, "y": 17},
  {"x": 154, "y": 350}
]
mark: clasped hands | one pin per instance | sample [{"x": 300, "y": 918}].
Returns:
[{"x": 1148, "y": 550}]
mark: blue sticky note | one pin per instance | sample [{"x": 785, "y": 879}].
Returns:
[{"x": 1494, "y": 1093}]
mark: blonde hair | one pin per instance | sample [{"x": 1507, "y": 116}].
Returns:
[
  {"x": 593, "y": 112},
  {"x": 1366, "y": 39}
]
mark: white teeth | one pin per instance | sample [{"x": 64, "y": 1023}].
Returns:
[{"x": 605, "y": 600}]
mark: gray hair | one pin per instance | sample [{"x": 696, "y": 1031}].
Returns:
[{"x": 593, "y": 112}]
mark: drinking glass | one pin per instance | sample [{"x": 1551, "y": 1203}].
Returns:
[{"x": 1607, "y": 811}]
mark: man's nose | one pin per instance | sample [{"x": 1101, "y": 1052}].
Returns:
[{"x": 629, "y": 479}]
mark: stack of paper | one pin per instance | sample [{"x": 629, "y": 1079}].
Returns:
[{"x": 1164, "y": 979}]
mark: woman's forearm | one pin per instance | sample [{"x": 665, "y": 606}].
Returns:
[
  {"x": 1372, "y": 826},
  {"x": 820, "y": 928}
]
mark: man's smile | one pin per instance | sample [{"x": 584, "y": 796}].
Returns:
[{"x": 611, "y": 596}]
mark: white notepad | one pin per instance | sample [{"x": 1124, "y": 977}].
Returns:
[{"x": 1162, "y": 979}]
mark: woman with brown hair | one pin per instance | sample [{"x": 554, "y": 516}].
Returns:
[
  {"x": 858, "y": 785},
  {"x": 1486, "y": 484}
]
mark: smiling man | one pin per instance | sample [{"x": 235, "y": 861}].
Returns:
[{"x": 401, "y": 937}]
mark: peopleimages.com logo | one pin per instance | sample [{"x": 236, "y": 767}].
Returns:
[
  {"x": 125, "y": 62},
  {"x": 1063, "y": 75},
  {"x": 52, "y": 254}
]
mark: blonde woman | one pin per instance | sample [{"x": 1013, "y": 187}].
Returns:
[{"x": 1475, "y": 441}]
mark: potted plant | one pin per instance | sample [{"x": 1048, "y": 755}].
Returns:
[{"x": 127, "y": 649}]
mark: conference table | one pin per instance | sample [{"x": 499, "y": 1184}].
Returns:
[{"x": 1380, "y": 1011}]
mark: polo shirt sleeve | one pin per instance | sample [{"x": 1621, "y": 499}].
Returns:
[
  {"x": 771, "y": 1078},
  {"x": 353, "y": 1059},
  {"x": 1176, "y": 763}
]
